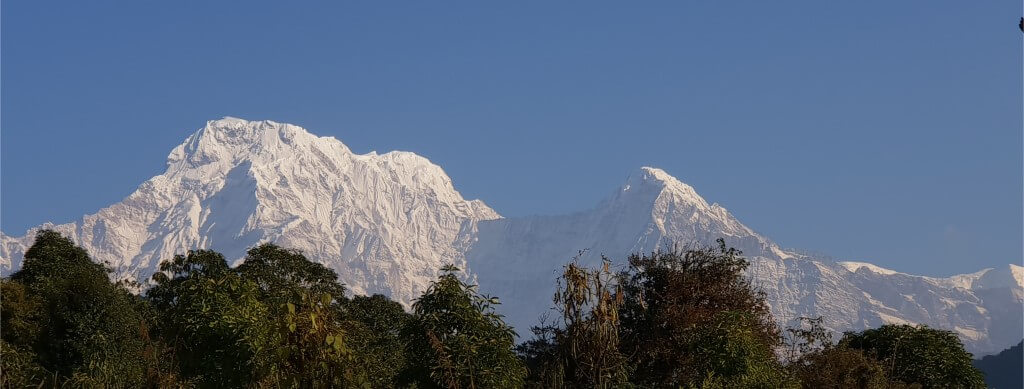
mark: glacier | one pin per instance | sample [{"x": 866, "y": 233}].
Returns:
[{"x": 388, "y": 222}]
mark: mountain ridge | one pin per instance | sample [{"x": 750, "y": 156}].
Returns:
[
  {"x": 235, "y": 183},
  {"x": 387, "y": 222}
]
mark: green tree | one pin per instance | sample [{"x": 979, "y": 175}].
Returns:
[
  {"x": 457, "y": 340},
  {"x": 543, "y": 357},
  {"x": 222, "y": 333},
  {"x": 19, "y": 368},
  {"x": 918, "y": 355},
  {"x": 672, "y": 318},
  {"x": 376, "y": 324},
  {"x": 313, "y": 352},
  {"x": 306, "y": 301},
  {"x": 21, "y": 314},
  {"x": 275, "y": 321},
  {"x": 282, "y": 275},
  {"x": 62, "y": 310},
  {"x": 729, "y": 352},
  {"x": 819, "y": 363},
  {"x": 841, "y": 368}
]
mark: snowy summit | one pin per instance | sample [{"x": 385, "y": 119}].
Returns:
[{"x": 387, "y": 223}]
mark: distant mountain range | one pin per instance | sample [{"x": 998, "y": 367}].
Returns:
[
  {"x": 1004, "y": 370},
  {"x": 387, "y": 223}
]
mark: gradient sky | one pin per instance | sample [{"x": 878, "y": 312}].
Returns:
[{"x": 886, "y": 131}]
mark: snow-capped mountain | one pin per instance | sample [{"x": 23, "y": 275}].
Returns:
[
  {"x": 386, "y": 223},
  {"x": 519, "y": 258}
]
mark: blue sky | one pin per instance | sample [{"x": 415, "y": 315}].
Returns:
[{"x": 887, "y": 131}]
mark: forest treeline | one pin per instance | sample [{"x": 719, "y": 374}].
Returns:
[{"x": 678, "y": 319}]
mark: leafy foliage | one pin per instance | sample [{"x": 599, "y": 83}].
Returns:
[
  {"x": 588, "y": 350},
  {"x": 457, "y": 340},
  {"x": 682, "y": 316},
  {"x": 19, "y": 368},
  {"x": 808, "y": 337},
  {"x": 728, "y": 352},
  {"x": 542, "y": 357},
  {"x": 214, "y": 319},
  {"x": 841, "y": 367},
  {"x": 62, "y": 311},
  {"x": 674, "y": 319},
  {"x": 313, "y": 352},
  {"x": 819, "y": 363},
  {"x": 276, "y": 322},
  {"x": 376, "y": 324},
  {"x": 282, "y": 275},
  {"x": 304, "y": 300},
  {"x": 918, "y": 354},
  {"x": 21, "y": 313}
]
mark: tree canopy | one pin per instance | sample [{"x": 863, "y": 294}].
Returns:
[
  {"x": 671, "y": 319},
  {"x": 931, "y": 357},
  {"x": 63, "y": 317},
  {"x": 687, "y": 314},
  {"x": 457, "y": 340}
]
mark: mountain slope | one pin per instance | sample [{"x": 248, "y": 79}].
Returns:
[
  {"x": 1004, "y": 370},
  {"x": 386, "y": 223},
  {"x": 519, "y": 259}
]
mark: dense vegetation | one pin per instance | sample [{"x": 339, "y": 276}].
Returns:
[{"x": 685, "y": 319}]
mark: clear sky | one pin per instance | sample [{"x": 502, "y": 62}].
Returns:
[{"x": 886, "y": 131}]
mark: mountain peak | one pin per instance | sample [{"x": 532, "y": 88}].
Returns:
[
  {"x": 656, "y": 181},
  {"x": 226, "y": 121},
  {"x": 656, "y": 173},
  {"x": 228, "y": 142},
  {"x": 649, "y": 176},
  {"x": 386, "y": 223},
  {"x": 235, "y": 131}
]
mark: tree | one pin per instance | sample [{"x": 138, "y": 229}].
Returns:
[
  {"x": 305, "y": 300},
  {"x": 313, "y": 352},
  {"x": 588, "y": 344},
  {"x": 457, "y": 340},
  {"x": 819, "y": 363},
  {"x": 376, "y": 324},
  {"x": 581, "y": 348},
  {"x": 21, "y": 314},
  {"x": 676, "y": 312},
  {"x": 275, "y": 321},
  {"x": 222, "y": 333},
  {"x": 19, "y": 368},
  {"x": 542, "y": 357},
  {"x": 62, "y": 310},
  {"x": 841, "y": 368},
  {"x": 729, "y": 352},
  {"x": 808, "y": 337},
  {"x": 283, "y": 274},
  {"x": 918, "y": 354}
]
